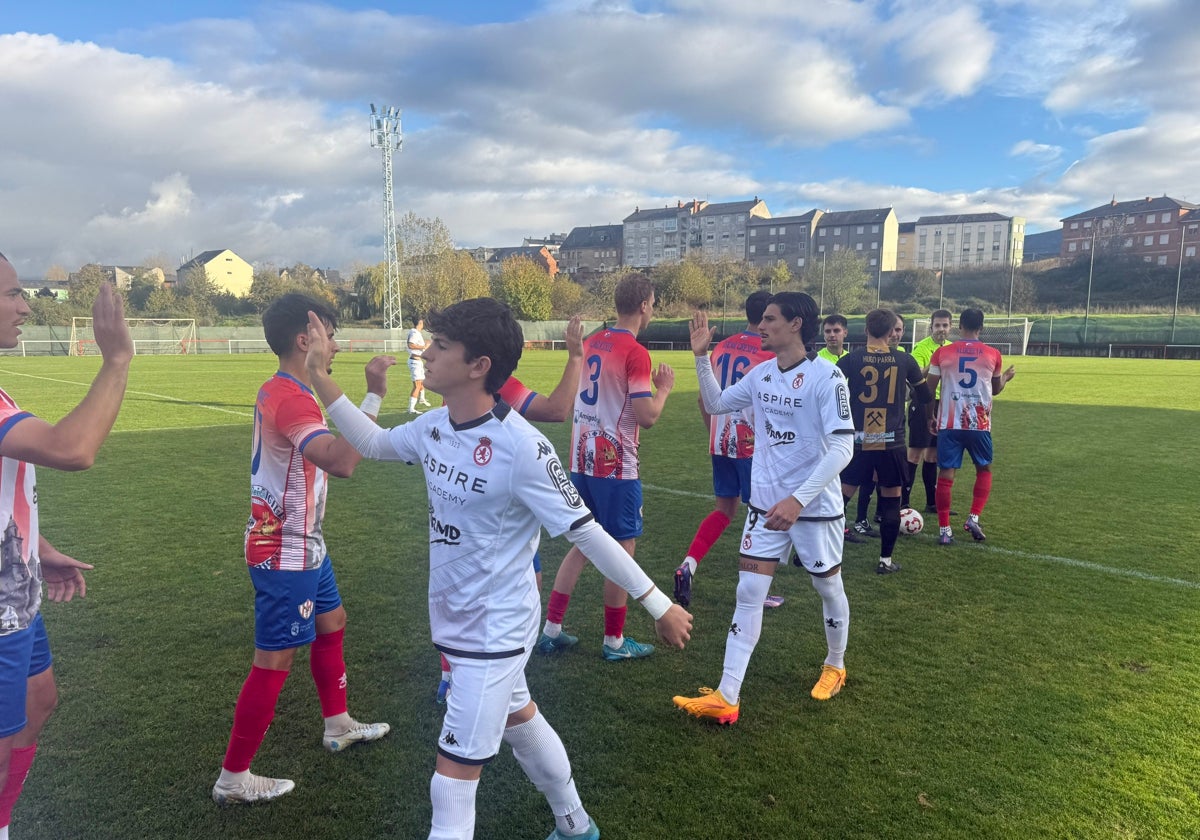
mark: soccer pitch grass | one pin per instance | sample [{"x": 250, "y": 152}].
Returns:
[{"x": 1041, "y": 684}]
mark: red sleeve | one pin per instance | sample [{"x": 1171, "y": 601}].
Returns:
[
  {"x": 515, "y": 393},
  {"x": 637, "y": 371},
  {"x": 299, "y": 419}
]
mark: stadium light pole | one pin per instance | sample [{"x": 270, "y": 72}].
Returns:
[
  {"x": 1178, "y": 279},
  {"x": 1087, "y": 307},
  {"x": 386, "y": 136}
]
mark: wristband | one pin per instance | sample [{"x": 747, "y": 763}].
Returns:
[
  {"x": 656, "y": 603},
  {"x": 371, "y": 404}
]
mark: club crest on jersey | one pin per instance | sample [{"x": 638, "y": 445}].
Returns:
[
  {"x": 306, "y": 609},
  {"x": 563, "y": 482},
  {"x": 483, "y": 452},
  {"x": 797, "y": 381}
]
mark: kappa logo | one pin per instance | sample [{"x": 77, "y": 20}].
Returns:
[
  {"x": 563, "y": 482},
  {"x": 449, "y": 740},
  {"x": 832, "y": 623},
  {"x": 544, "y": 449},
  {"x": 767, "y": 378},
  {"x": 435, "y": 434},
  {"x": 483, "y": 452},
  {"x": 734, "y": 629},
  {"x": 797, "y": 381},
  {"x": 306, "y": 609}
]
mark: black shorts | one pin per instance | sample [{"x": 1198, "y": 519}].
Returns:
[
  {"x": 918, "y": 428},
  {"x": 890, "y": 466}
]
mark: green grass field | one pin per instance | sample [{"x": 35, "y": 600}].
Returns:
[{"x": 1042, "y": 684}]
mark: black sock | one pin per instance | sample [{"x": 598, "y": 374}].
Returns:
[
  {"x": 929, "y": 478},
  {"x": 889, "y": 528},
  {"x": 864, "y": 501},
  {"x": 910, "y": 470}
]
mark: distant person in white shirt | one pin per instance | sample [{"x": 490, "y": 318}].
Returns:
[{"x": 416, "y": 366}]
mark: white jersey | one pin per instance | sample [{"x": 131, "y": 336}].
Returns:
[
  {"x": 415, "y": 342},
  {"x": 492, "y": 484},
  {"x": 795, "y": 412}
]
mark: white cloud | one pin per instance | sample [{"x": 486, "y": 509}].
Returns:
[{"x": 1042, "y": 152}]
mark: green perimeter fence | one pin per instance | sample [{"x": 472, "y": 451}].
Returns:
[{"x": 1126, "y": 336}]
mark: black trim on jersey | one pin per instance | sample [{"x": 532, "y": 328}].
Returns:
[
  {"x": 759, "y": 559},
  {"x": 583, "y": 520},
  {"x": 480, "y": 654},
  {"x": 473, "y": 762},
  {"x": 842, "y": 432},
  {"x": 804, "y": 359},
  {"x": 500, "y": 410}
]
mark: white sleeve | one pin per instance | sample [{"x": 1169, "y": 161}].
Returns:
[
  {"x": 717, "y": 401},
  {"x": 614, "y": 563},
  {"x": 835, "y": 459},
  {"x": 362, "y": 432}
]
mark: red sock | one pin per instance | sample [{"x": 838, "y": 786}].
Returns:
[
  {"x": 983, "y": 489},
  {"x": 19, "y": 762},
  {"x": 557, "y": 608},
  {"x": 614, "y": 621},
  {"x": 254, "y": 712},
  {"x": 328, "y": 667},
  {"x": 709, "y": 532},
  {"x": 944, "y": 486}
]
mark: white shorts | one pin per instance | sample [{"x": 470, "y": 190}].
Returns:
[
  {"x": 485, "y": 692},
  {"x": 416, "y": 367},
  {"x": 818, "y": 542}
]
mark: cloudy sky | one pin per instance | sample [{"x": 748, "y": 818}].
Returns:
[{"x": 147, "y": 128}]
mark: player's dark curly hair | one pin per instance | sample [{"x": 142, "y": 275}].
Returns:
[
  {"x": 794, "y": 305},
  {"x": 486, "y": 327},
  {"x": 287, "y": 318}
]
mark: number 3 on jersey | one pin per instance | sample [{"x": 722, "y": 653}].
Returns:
[{"x": 592, "y": 393}]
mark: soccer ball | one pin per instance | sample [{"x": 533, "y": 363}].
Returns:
[{"x": 911, "y": 521}]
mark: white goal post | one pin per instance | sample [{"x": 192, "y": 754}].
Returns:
[
  {"x": 151, "y": 336},
  {"x": 1009, "y": 335}
]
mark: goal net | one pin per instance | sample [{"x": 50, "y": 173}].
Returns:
[
  {"x": 1008, "y": 335},
  {"x": 151, "y": 336}
]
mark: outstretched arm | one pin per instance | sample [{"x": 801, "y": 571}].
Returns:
[
  {"x": 72, "y": 442},
  {"x": 556, "y": 408},
  {"x": 648, "y": 410}
]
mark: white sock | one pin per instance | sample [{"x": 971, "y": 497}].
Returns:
[
  {"x": 412, "y": 403},
  {"x": 552, "y": 630},
  {"x": 227, "y": 778},
  {"x": 946, "y": 530},
  {"x": 744, "y": 631},
  {"x": 974, "y": 517},
  {"x": 614, "y": 642},
  {"x": 887, "y": 561},
  {"x": 337, "y": 724},
  {"x": 4, "y": 832},
  {"x": 691, "y": 563},
  {"x": 541, "y": 754},
  {"x": 453, "y": 808},
  {"x": 836, "y": 610}
]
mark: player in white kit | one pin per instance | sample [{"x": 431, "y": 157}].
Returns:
[{"x": 493, "y": 481}]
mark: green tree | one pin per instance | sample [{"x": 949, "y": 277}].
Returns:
[
  {"x": 422, "y": 247},
  {"x": 83, "y": 287},
  {"x": 140, "y": 289},
  {"x": 525, "y": 286},
  {"x": 778, "y": 277},
  {"x": 49, "y": 311},
  {"x": 265, "y": 287},
  {"x": 164, "y": 303},
  {"x": 566, "y": 297},
  {"x": 845, "y": 283},
  {"x": 196, "y": 293}
]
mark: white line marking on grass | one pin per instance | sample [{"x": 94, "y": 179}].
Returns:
[
  {"x": 139, "y": 393},
  {"x": 1050, "y": 558}
]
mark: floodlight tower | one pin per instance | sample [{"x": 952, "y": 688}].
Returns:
[{"x": 385, "y": 135}]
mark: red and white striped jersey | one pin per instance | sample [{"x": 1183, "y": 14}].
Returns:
[{"x": 287, "y": 492}]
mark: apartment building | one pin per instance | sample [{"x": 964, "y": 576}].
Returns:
[
  {"x": 970, "y": 240},
  {"x": 661, "y": 235},
  {"x": 870, "y": 234},
  {"x": 1152, "y": 229},
  {"x": 595, "y": 248},
  {"x": 785, "y": 239},
  {"x": 719, "y": 231}
]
